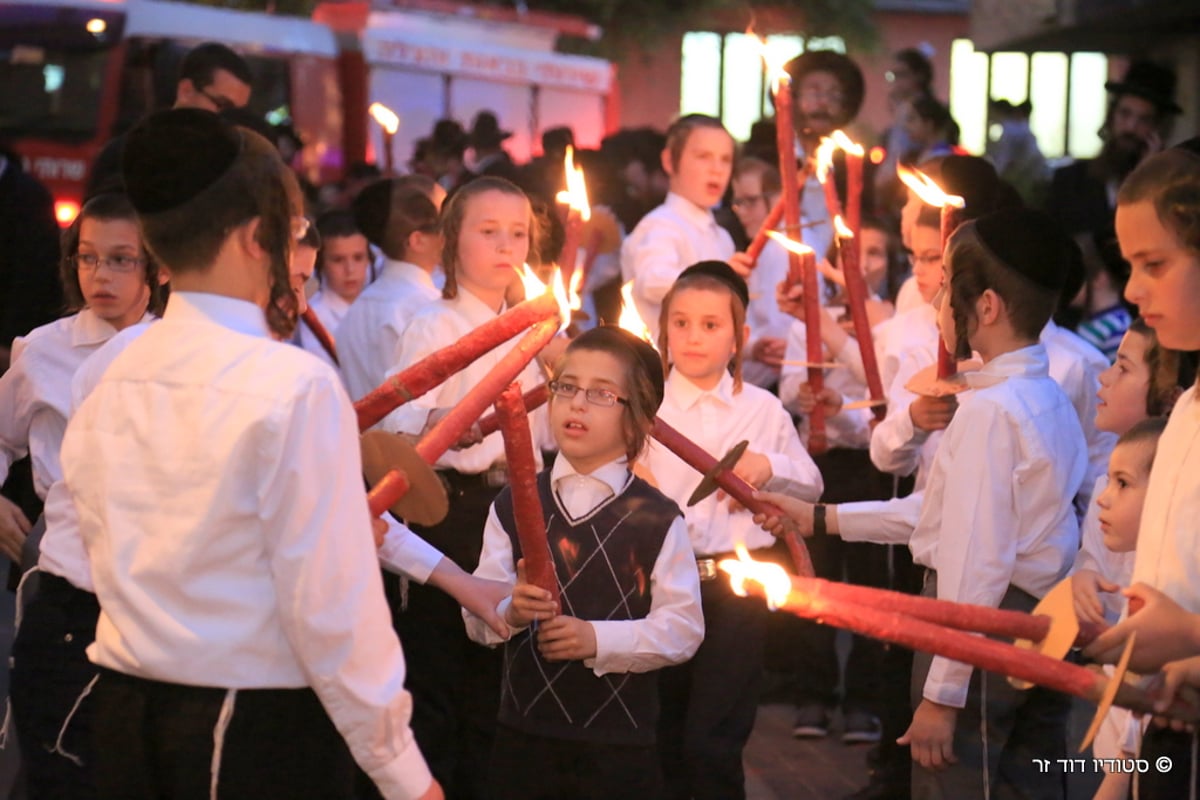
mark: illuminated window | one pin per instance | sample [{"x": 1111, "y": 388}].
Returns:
[
  {"x": 1067, "y": 93},
  {"x": 723, "y": 75}
]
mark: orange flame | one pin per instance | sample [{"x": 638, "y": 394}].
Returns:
[
  {"x": 846, "y": 144},
  {"x": 574, "y": 296},
  {"x": 534, "y": 287},
  {"x": 824, "y": 157},
  {"x": 842, "y": 229},
  {"x": 743, "y": 570},
  {"x": 774, "y": 59},
  {"x": 925, "y": 188},
  {"x": 791, "y": 245},
  {"x": 385, "y": 117},
  {"x": 575, "y": 195},
  {"x": 630, "y": 319}
]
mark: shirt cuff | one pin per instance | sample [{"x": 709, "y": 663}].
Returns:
[
  {"x": 948, "y": 682},
  {"x": 405, "y": 777},
  {"x": 614, "y": 641},
  {"x": 406, "y": 553}
]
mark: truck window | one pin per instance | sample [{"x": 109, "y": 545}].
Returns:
[{"x": 52, "y": 63}]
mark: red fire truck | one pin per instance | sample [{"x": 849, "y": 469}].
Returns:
[{"x": 77, "y": 72}]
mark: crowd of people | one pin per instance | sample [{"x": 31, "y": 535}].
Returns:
[{"x": 211, "y": 610}]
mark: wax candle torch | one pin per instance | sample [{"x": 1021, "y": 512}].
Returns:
[
  {"x": 534, "y": 398},
  {"x": 705, "y": 463},
  {"x": 856, "y": 294},
  {"x": 390, "y": 122},
  {"x": 523, "y": 483},
  {"x": 435, "y": 368},
  {"x": 952, "y": 208},
  {"x": 320, "y": 332},
  {"x": 450, "y": 428},
  {"x": 784, "y": 593},
  {"x": 803, "y": 270},
  {"x": 574, "y": 211},
  {"x": 387, "y": 492}
]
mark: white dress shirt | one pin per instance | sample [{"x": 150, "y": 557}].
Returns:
[
  {"x": 997, "y": 508},
  {"x": 61, "y": 550},
  {"x": 228, "y": 530},
  {"x": 1169, "y": 537},
  {"x": 1093, "y": 555},
  {"x": 716, "y": 420},
  {"x": 910, "y": 345},
  {"x": 368, "y": 337},
  {"x": 329, "y": 309},
  {"x": 848, "y": 428},
  {"x": 1077, "y": 365},
  {"x": 35, "y": 392},
  {"x": 763, "y": 315},
  {"x": 669, "y": 634},
  {"x": 439, "y": 325},
  {"x": 667, "y": 241}
]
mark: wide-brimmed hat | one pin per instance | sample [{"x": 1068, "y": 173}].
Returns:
[
  {"x": 1149, "y": 81},
  {"x": 485, "y": 131},
  {"x": 843, "y": 69}
]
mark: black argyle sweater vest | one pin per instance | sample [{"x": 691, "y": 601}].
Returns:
[{"x": 603, "y": 562}]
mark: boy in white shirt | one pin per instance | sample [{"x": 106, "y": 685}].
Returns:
[
  {"x": 698, "y": 160},
  {"x": 243, "y": 639},
  {"x": 400, "y": 217},
  {"x": 996, "y": 526}
]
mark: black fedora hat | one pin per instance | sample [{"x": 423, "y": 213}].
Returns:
[
  {"x": 485, "y": 131},
  {"x": 1149, "y": 81}
]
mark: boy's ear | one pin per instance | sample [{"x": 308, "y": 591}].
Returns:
[
  {"x": 667, "y": 166},
  {"x": 989, "y": 306},
  {"x": 246, "y": 235}
]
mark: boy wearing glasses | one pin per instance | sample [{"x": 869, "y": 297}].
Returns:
[{"x": 579, "y": 697}]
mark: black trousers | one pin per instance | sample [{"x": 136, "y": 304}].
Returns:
[
  {"x": 709, "y": 703},
  {"x": 1022, "y": 726},
  {"x": 156, "y": 741},
  {"x": 455, "y": 683},
  {"x": 1180, "y": 778},
  {"x": 849, "y": 476},
  {"x": 539, "y": 768},
  {"x": 50, "y": 675}
]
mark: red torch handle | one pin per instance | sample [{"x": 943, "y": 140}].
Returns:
[
  {"x": 572, "y": 231},
  {"x": 951, "y": 218},
  {"x": 522, "y": 481},
  {"x": 450, "y": 428},
  {"x": 436, "y": 367},
  {"x": 387, "y": 492},
  {"x": 856, "y": 293},
  {"x": 916, "y": 634},
  {"x": 323, "y": 336},
  {"x": 534, "y": 398},
  {"x": 769, "y": 224},
  {"x": 703, "y": 462}
]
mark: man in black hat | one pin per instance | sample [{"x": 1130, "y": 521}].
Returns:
[
  {"x": 1082, "y": 195},
  {"x": 485, "y": 139}
]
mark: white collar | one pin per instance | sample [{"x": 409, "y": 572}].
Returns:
[
  {"x": 614, "y": 474},
  {"x": 686, "y": 394},
  {"x": 229, "y": 312},
  {"x": 693, "y": 214},
  {"x": 1027, "y": 362}
]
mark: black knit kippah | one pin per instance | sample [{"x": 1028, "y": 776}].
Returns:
[
  {"x": 607, "y": 338},
  {"x": 976, "y": 182},
  {"x": 722, "y": 272},
  {"x": 174, "y": 155},
  {"x": 1030, "y": 243}
]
